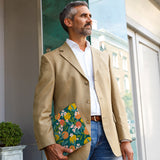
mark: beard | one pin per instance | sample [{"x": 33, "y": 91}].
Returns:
[{"x": 86, "y": 31}]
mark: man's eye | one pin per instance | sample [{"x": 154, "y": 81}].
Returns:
[
  {"x": 86, "y": 15},
  {"x": 83, "y": 15}
]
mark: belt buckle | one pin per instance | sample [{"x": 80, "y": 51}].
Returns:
[{"x": 95, "y": 119}]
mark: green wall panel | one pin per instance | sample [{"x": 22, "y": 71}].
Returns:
[{"x": 53, "y": 33}]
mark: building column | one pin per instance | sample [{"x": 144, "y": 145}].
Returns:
[{"x": 2, "y": 92}]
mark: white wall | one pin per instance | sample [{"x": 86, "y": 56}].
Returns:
[
  {"x": 21, "y": 68},
  {"x": 2, "y": 61},
  {"x": 144, "y": 13}
]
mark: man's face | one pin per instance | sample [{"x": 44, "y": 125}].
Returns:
[{"x": 82, "y": 23}]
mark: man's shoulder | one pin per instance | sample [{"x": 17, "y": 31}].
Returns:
[{"x": 55, "y": 53}]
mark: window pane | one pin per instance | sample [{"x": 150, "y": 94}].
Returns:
[{"x": 110, "y": 35}]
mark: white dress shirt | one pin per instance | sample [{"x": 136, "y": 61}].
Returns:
[{"x": 85, "y": 60}]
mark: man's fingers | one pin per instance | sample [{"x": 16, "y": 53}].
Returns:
[
  {"x": 127, "y": 151},
  {"x": 130, "y": 156},
  {"x": 62, "y": 157},
  {"x": 60, "y": 153},
  {"x": 123, "y": 156},
  {"x": 55, "y": 152},
  {"x": 67, "y": 150}
]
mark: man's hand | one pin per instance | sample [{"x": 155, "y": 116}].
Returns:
[
  {"x": 55, "y": 152},
  {"x": 126, "y": 150}
]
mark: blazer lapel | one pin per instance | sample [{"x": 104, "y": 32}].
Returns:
[{"x": 67, "y": 54}]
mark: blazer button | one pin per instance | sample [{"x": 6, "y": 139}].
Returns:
[
  {"x": 88, "y": 121},
  {"x": 86, "y": 82},
  {"x": 88, "y": 101}
]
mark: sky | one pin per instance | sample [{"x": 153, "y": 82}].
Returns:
[{"x": 110, "y": 15}]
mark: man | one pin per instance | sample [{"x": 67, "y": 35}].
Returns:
[{"x": 78, "y": 73}]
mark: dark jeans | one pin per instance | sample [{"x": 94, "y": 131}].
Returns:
[{"x": 100, "y": 148}]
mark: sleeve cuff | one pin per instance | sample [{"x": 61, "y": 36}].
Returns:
[{"x": 125, "y": 140}]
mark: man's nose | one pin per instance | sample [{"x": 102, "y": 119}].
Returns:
[{"x": 89, "y": 19}]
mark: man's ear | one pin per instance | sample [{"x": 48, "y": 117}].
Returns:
[{"x": 68, "y": 22}]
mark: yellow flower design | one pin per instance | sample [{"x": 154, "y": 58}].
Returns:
[
  {"x": 57, "y": 137},
  {"x": 88, "y": 139},
  {"x": 81, "y": 120},
  {"x": 72, "y": 106},
  {"x": 67, "y": 116},
  {"x": 72, "y": 139}
]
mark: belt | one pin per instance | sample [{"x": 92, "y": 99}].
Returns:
[{"x": 96, "y": 118}]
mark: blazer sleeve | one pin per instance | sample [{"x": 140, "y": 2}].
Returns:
[
  {"x": 118, "y": 108},
  {"x": 43, "y": 104}
]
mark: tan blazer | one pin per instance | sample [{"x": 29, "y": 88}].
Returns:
[{"x": 63, "y": 80}]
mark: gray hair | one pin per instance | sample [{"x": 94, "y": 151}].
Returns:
[{"x": 69, "y": 12}]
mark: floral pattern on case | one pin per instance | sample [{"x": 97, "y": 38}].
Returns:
[{"x": 69, "y": 128}]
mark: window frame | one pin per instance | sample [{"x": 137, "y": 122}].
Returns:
[{"x": 132, "y": 29}]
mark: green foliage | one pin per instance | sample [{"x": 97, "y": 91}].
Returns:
[
  {"x": 127, "y": 99},
  {"x": 128, "y": 104},
  {"x": 10, "y": 134}
]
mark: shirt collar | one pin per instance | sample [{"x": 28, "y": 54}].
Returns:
[{"x": 73, "y": 44}]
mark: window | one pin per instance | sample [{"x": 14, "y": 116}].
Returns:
[
  {"x": 126, "y": 83},
  {"x": 115, "y": 60},
  {"x": 118, "y": 81},
  {"x": 125, "y": 66},
  {"x": 145, "y": 55},
  {"x": 102, "y": 46}
]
